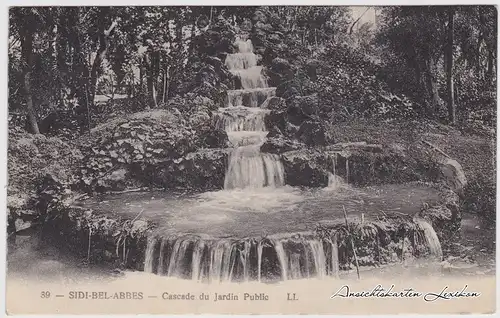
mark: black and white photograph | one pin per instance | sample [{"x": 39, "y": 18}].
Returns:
[{"x": 228, "y": 159}]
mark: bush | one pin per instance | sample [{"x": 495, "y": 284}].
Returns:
[
  {"x": 480, "y": 198},
  {"x": 41, "y": 172}
]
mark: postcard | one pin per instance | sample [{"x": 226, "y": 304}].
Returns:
[{"x": 251, "y": 160}]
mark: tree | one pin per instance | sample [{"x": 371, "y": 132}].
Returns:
[
  {"x": 458, "y": 39},
  {"x": 416, "y": 35},
  {"x": 26, "y": 21},
  {"x": 449, "y": 68},
  {"x": 104, "y": 35}
]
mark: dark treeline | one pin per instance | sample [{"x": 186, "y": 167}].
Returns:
[{"x": 434, "y": 62}]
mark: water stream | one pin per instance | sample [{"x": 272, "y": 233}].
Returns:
[{"x": 243, "y": 120}]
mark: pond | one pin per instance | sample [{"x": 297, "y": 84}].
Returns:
[{"x": 241, "y": 213}]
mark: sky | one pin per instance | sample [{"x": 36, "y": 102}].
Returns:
[{"x": 369, "y": 16}]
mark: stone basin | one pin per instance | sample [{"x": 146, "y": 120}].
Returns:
[
  {"x": 271, "y": 233},
  {"x": 260, "y": 212}
]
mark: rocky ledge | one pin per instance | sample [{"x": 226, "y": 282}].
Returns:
[{"x": 362, "y": 164}]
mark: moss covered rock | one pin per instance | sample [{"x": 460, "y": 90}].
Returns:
[{"x": 122, "y": 150}]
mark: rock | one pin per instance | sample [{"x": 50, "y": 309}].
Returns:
[
  {"x": 236, "y": 81},
  {"x": 268, "y": 55},
  {"x": 22, "y": 225},
  {"x": 445, "y": 169},
  {"x": 219, "y": 68},
  {"x": 215, "y": 62},
  {"x": 175, "y": 111},
  {"x": 259, "y": 58},
  {"x": 276, "y": 103},
  {"x": 207, "y": 76},
  {"x": 213, "y": 41},
  {"x": 358, "y": 166},
  {"x": 306, "y": 106},
  {"x": 202, "y": 170},
  {"x": 115, "y": 181},
  {"x": 280, "y": 65},
  {"x": 118, "y": 175},
  {"x": 213, "y": 138},
  {"x": 202, "y": 103},
  {"x": 452, "y": 173},
  {"x": 279, "y": 144},
  {"x": 281, "y": 71},
  {"x": 199, "y": 118},
  {"x": 141, "y": 142},
  {"x": 288, "y": 90},
  {"x": 276, "y": 119},
  {"x": 274, "y": 132},
  {"x": 360, "y": 145},
  {"x": 305, "y": 167},
  {"x": 72, "y": 230},
  {"x": 312, "y": 133},
  {"x": 223, "y": 55},
  {"x": 139, "y": 226}
]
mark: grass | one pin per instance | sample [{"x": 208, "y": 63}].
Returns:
[{"x": 476, "y": 153}]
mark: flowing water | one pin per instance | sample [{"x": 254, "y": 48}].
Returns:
[
  {"x": 243, "y": 120},
  {"x": 432, "y": 241}
]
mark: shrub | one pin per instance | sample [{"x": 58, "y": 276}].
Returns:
[{"x": 480, "y": 198}]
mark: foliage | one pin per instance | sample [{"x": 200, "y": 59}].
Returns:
[
  {"x": 480, "y": 198},
  {"x": 155, "y": 53},
  {"x": 414, "y": 40},
  {"x": 309, "y": 25},
  {"x": 81, "y": 51},
  {"x": 352, "y": 83},
  {"x": 41, "y": 174}
]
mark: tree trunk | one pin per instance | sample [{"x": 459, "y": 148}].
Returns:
[
  {"x": 491, "y": 62},
  {"x": 80, "y": 72},
  {"x": 103, "y": 48},
  {"x": 449, "y": 70},
  {"x": 193, "y": 31},
  {"x": 27, "y": 56},
  {"x": 433, "y": 99},
  {"x": 167, "y": 83},
  {"x": 130, "y": 83},
  {"x": 150, "y": 81},
  {"x": 61, "y": 49},
  {"x": 164, "y": 87},
  {"x": 141, "y": 78},
  {"x": 179, "y": 35}
]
